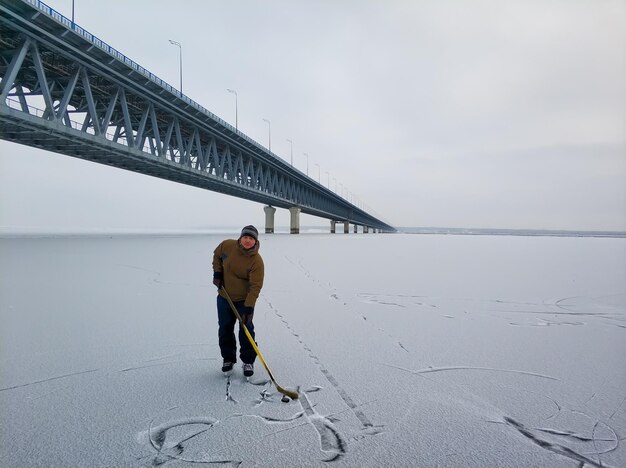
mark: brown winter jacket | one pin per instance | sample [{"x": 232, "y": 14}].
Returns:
[{"x": 242, "y": 270}]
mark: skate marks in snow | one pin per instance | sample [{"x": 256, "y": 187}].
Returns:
[
  {"x": 544, "y": 323},
  {"x": 229, "y": 396},
  {"x": 331, "y": 440},
  {"x": 264, "y": 395},
  {"x": 161, "y": 364},
  {"x": 610, "y": 309},
  {"x": 153, "y": 363},
  {"x": 365, "y": 422},
  {"x": 594, "y": 437},
  {"x": 49, "y": 379},
  {"x": 191, "y": 439},
  {"x": 570, "y": 311},
  {"x": 431, "y": 369},
  {"x": 560, "y": 449},
  {"x": 402, "y": 301},
  {"x": 174, "y": 450}
]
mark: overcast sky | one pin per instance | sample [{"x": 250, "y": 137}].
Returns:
[{"x": 495, "y": 113}]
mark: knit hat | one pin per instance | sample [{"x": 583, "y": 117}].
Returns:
[{"x": 251, "y": 231}]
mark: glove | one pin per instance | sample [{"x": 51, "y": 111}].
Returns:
[
  {"x": 218, "y": 279},
  {"x": 248, "y": 313},
  {"x": 245, "y": 312}
]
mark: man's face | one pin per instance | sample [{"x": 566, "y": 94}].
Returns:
[{"x": 247, "y": 242}]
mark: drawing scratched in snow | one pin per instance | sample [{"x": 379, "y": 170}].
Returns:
[{"x": 185, "y": 439}]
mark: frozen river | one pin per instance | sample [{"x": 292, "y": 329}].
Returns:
[{"x": 408, "y": 350}]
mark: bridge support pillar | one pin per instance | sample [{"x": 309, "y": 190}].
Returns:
[
  {"x": 355, "y": 229},
  {"x": 295, "y": 220},
  {"x": 346, "y": 227},
  {"x": 332, "y": 226},
  {"x": 365, "y": 229},
  {"x": 269, "y": 219}
]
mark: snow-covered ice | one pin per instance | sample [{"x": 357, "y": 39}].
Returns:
[{"x": 408, "y": 350}]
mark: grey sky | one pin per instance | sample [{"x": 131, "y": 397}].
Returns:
[{"x": 496, "y": 113}]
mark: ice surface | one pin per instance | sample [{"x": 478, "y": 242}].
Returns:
[{"x": 409, "y": 350}]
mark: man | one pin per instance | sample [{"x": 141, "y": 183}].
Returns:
[{"x": 238, "y": 268}]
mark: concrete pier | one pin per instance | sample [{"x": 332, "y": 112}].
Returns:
[
  {"x": 346, "y": 227},
  {"x": 269, "y": 219},
  {"x": 333, "y": 225},
  {"x": 295, "y": 220},
  {"x": 356, "y": 229}
]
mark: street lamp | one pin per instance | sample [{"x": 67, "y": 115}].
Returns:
[
  {"x": 72, "y": 14},
  {"x": 269, "y": 134},
  {"x": 318, "y": 173},
  {"x": 291, "y": 143},
  {"x": 232, "y": 91},
  {"x": 180, "y": 56},
  {"x": 307, "y": 163}
]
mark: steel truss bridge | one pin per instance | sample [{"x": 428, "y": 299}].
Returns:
[{"x": 62, "y": 89}]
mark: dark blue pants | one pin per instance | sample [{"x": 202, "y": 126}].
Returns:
[{"x": 228, "y": 346}]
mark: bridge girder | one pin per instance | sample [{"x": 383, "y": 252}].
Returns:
[{"x": 66, "y": 91}]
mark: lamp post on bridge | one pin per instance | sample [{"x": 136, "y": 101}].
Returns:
[
  {"x": 232, "y": 91},
  {"x": 307, "y": 163},
  {"x": 291, "y": 152},
  {"x": 269, "y": 134},
  {"x": 318, "y": 173},
  {"x": 180, "y": 55}
]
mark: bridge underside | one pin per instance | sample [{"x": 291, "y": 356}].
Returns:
[
  {"x": 31, "y": 131},
  {"x": 65, "y": 90}
]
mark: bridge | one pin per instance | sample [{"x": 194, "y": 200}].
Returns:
[{"x": 64, "y": 90}]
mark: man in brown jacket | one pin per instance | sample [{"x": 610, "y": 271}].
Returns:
[{"x": 238, "y": 268}]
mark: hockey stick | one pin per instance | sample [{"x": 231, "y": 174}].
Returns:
[{"x": 293, "y": 394}]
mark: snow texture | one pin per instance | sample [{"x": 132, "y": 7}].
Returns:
[{"x": 407, "y": 350}]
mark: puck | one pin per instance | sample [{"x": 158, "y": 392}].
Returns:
[{"x": 285, "y": 399}]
